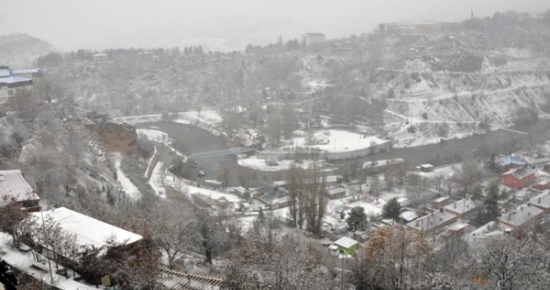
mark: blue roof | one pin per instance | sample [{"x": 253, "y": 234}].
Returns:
[
  {"x": 505, "y": 160},
  {"x": 13, "y": 79},
  {"x": 5, "y": 72},
  {"x": 26, "y": 71}
]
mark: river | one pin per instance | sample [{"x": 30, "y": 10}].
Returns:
[{"x": 190, "y": 139}]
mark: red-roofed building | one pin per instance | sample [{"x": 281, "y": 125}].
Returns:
[{"x": 518, "y": 178}]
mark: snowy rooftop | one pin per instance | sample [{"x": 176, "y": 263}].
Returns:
[
  {"x": 505, "y": 160},
  {"x": 522, "y": 215},
  {"x": 26, "y": 71},
  {"x": 336, "y": 190},
  {"x": 491, "y": 229},
  {"x": 13, "y": 185},
  {"x": 520, "y": 173},
  {"x": 408, "y": 216},
  {"x": 12, "y": 79},
  {"x": 542, "y": 200},
  {"x": 458, "y": 227},
  {"x": 462, "y": 206},
  {"x": 88, "y": 231},
  {"x": 272, "y": 194},
  {"x": 346, "y": 242},
  {"x": 431, "y": 221}
]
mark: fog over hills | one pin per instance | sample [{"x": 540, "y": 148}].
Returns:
[{"x": 223, "y": 25}]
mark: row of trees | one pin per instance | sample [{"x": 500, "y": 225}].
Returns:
[{"x": 308, "y": 198}]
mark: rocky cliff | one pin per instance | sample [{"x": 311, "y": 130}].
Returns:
[{"x": 115, "y": 137}]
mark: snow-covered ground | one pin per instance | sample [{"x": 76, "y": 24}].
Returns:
[
  {"x": 447, "y": 170},
  {"x": 379, "y": 163},
  {"x": 127, "y": 186},
  {"x": 212, "y": 193},
  {"x": 208, "y": 116},
  {"x": 260, "y": 164},
  {"x": 337, "y": 141},
  {"x": 155, "y": 135},
  {"x": 157, "y": 179}
]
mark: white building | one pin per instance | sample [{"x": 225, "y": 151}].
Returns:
[
  {"x": 312, "y": 39},
  {"x": 100, "y": 58},
  {"x": 13, "y": 80},
  {"x": 88, "y": 231}
]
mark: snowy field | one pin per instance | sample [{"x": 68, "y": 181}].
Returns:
[
  {"x": 208, "y": 116},
  {"x": 259, "y": 164},
  {"x": 337, "y": 141},
  {"x": 127, "y": 186}
]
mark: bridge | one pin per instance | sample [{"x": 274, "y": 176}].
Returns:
[{"x": 216, "y": 153}]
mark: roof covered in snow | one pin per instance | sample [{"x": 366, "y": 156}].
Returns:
[
  {"x": 462, "y": 206},
  {"x": 431, "y": 221},
  {"x": 542, "y": 200},
  {"x": 346, "y": 242},
  {"x": 26, "y": 71},
  {"x": 520, "y": 173},
  {"x": 504, "y": 160},
  {"x": 408, "y": 216},
  {"x": 12, "y": 79},
  {"x": 88, "y": 231},
  {"x": 522, "y": 215},
  {"x": 14, "y": 186}
]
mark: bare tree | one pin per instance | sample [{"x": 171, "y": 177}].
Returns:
[{"x": 175, "y": 229}]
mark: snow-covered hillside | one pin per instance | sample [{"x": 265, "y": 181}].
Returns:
[
  {"x": 21, "y": 50},
  {"x": 436, "y": 93}
]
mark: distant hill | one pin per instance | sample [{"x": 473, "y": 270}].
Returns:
[{"x": 21, "y": 50}]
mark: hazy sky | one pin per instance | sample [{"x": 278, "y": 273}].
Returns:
[{"x": 224, "y": 24}]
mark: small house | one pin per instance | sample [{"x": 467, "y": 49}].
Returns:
[
  {"x": 461, "y": 207},
  {"x": 519, "y": 177},
  {"x": 508, "y": 162},
  {"x": 100, "y": 58},
  {"x": 272, "y": 196},
  {"x": 441, "y": 202},
  {"x": 336, "y": 192},
  {"x": 241, "y": 192},
  {"x": 524, "y": 217},
  {"x": 433, "y": 221},
  {"x": 346, "y": 245},
  {"x": 458, "y": 229},
  {"x": 542, "y": 183},
  {"x": 408, "y": 216},
  {"x": 542, "y": 201},
  {"x": 426, "y": 167}
]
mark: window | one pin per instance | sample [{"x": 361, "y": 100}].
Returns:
[{"x": 10, "y": 93}]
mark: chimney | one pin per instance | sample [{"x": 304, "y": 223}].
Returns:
[
  {"x": 521, "y": 207},
  {"x": 454, "y": 205},
  {"x": 539, "y": 199},
  {"x": 440, "y": 219},
  {"x": 509, "y": 216}
]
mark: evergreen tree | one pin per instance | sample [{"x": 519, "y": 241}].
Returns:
[
  {"x": 392, "y": 210},
  {"x": 357, "y": 219},
  {"x": 489, "y": 212},
  {"x": 261, "y": 215}
]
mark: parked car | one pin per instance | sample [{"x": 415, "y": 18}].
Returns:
[{"x": 201, "y": 173}]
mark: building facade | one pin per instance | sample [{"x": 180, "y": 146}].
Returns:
[
  {"x": 312, "y": 39},
  {"x": 13, "y": 80}
]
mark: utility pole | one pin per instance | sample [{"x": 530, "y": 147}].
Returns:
[
  {"x": 342, "y": 286},
  {"x": 46, "y": 242}
]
